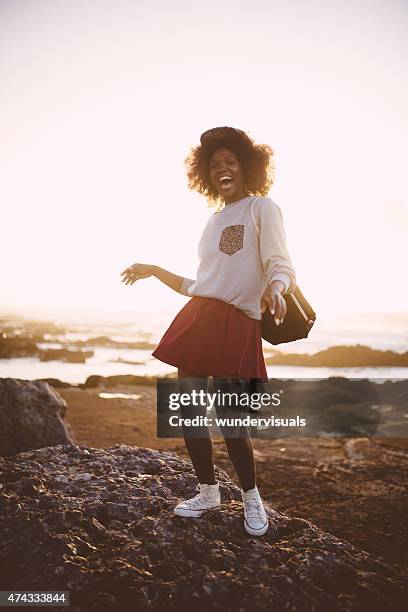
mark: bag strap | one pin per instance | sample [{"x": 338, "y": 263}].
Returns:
[{"x": 253, "y": 216}]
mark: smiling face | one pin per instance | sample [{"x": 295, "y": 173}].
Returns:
[{"x": 226, "y": 175}]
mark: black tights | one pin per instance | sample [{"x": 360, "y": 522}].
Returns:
[{"x": 200, "y": 448}]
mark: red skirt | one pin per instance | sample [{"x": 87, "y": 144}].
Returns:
[{"x": 209, "y": 337}]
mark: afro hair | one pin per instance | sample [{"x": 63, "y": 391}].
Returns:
[{"x": 256, "y": 160}]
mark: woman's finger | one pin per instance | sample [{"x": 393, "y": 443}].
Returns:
[
  {"x": 271, "y": 304},
  {"x": 132, "y": 278},
  {"x": 128, "y": 270},
  {"x": 278, "y": 308},
  {"x": 285, "y": 310},
  {"x": 281, "y": 311},
  {"x": 135, "y": 273}
]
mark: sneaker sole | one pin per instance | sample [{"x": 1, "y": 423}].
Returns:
[
  {"x": 192, "y": 513},
  {"x": 256, "y": 532}
]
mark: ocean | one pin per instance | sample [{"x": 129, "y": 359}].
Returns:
[{"x": 383, "y": 332}]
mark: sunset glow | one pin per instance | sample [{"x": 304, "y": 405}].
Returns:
[{"x": 100, "y": 106}]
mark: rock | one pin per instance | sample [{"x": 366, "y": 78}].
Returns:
[
  {"x": 114, "y": 541},
  {"x": 118, "y": 381},
  {"x": 57, "y": 383},
  {"x": 341, "y": 356},
  {"x": 43, "y": 327},
  {"x": 31, "y": 416},
  {"x": 350, "y": 420},
  {"x": 16, "y": 346},
  {"x": 340, "y": 406},
  {"x": 86, "y": 476},
  {"x": 105, "y": 341},
  {"x": 64, "y": 355}
]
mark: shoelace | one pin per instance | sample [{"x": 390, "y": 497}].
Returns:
[
  {"x": 196, "y": 500},
  {"x": 206, "y": 494},
  {"x": 254, "y": 509},
  {"x": 200, "y": 497}
]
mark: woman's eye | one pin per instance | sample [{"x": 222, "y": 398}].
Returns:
[{"x": 230, "y": 162}]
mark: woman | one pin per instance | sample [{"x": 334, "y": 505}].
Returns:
[{"x": 240, "y": 274}]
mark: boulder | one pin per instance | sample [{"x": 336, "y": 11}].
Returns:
[
  {"x": 31, "y": 416},
  {"x": 100, "y": 523},
  {"x": 17, "y": 346}
]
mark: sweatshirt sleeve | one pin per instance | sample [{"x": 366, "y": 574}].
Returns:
[
  {"x": 185, "y": 286},
  {"x": 275, "y": 257}
]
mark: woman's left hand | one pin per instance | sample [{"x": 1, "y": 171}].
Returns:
[{"x": 274, "y": 300}]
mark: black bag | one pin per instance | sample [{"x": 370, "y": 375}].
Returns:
[
  {"x": 297, "y": 324},
  {"x": 299, "y": 319}
]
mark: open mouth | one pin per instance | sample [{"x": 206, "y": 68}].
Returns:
[{"x": 225, "y": 181}]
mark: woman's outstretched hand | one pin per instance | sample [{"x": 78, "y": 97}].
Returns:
[
  {"x": 274, "y": 300},
  {"x": 136, "y": 272}
]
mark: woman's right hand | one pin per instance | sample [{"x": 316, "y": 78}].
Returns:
[{"x": 136, "y": 272}]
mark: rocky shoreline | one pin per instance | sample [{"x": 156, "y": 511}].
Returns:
[
  {"x": 21, "y": 339},
  {"x": 92, "y": 513},
  {"x": 342, "y": 357}
]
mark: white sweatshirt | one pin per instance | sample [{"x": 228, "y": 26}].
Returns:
[{"x": 235, "y": 265}]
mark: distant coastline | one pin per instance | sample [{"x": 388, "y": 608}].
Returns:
[
  {"x": 341, "y": 357},
  {"x": 70, "y": 353},
  {"x": 333, "y": 357}
]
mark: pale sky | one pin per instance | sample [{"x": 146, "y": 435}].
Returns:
[{"x": 101, "y": 101}]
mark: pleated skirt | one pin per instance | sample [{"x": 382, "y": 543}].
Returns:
[{"x": 209, "y": 337}]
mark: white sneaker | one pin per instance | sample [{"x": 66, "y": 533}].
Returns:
[
  {"x": 207, "y": 499},
  {"x": 255, "y": 519}
]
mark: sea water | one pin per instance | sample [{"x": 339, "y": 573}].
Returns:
[{"x": 383, "y": 332}]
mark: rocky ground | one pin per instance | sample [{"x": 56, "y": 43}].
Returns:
[
  {"x": 100, "y": 523},
  {"x": 354, "y": 488},
  {"x": 94, "y": 514}
]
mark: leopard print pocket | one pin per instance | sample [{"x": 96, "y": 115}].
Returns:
[{"x": 232, "y": 239}]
